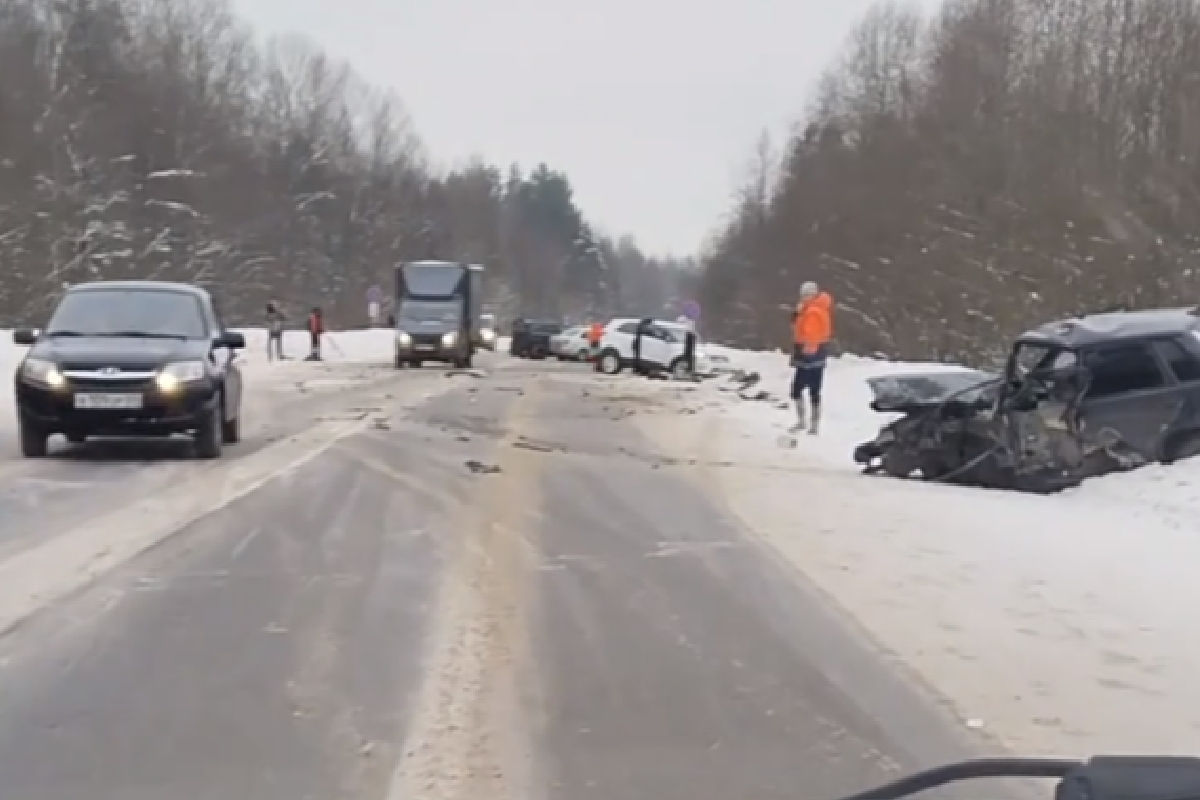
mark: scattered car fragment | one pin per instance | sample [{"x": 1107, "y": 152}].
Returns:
[{"x": 1078, "y": 398}]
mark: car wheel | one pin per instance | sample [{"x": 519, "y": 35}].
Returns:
[
  {"x": 231, "y": 430},
  {"x": 76, "y": 438},
  {"x": 208, "y": 436},
  {"x": 399, "y": 362},
  {"x": 609, "y": 362},
  {"x": 416, "y": 363},
  {"x": 33, "y": 439},
  {"x": 679, "y": 369}
]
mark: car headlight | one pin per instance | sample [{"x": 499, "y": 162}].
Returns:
[
  {"x": 403, "y": 339},
  {"x": 172, "y": 376},
  {"x": 37, "y": 370},
  {"x": 449, "y": 339},
  {"x": 488, "y": 334}
]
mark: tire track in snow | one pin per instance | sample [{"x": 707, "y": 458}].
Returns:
[{"x": 466, "y": 739}]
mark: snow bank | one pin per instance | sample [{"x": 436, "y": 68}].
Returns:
[
  {"x": 359, "y": 347},
  {"x": 1061, "y": 624}
]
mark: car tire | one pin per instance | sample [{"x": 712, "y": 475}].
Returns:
[
  {"x": 34, "y": 442},
  {"x": 399, "y": 362},
  {"x": 609, "y": 362},
  {"x": 679, "y": 370},
  {"x": 416, "y": 363},
  {"x": 208, "y": 439},
  {"x": 231, "y": 429}
]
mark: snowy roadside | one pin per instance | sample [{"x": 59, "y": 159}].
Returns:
[{"x": 1050, "y": 624}]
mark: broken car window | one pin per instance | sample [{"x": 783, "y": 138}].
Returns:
[
  {"x": 1043, "y": 358},
  {"x": 1183, "y": 364},
  {"x": 1122, "y": 369}
]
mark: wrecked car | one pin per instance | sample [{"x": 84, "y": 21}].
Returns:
[{"x": 1077, "y": 398}]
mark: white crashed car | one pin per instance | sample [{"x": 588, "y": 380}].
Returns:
[
  {"x": 571, "y": 344},
  {"x": 662, "y": 348}
]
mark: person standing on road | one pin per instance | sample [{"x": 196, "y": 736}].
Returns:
[
  {"x": 275, "y": 322},
  {"x": 689, "y": 344},
  {"x": 812, "y": 328},
  {"x": 641, "y": 332},
  {"x": 316, "y": 327},
  {"x": 595, "y": 334}
]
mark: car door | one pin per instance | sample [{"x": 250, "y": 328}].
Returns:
[
  {"x": 657, "y": 346},
  {"x": 621, "y": 339},
  {"x": 1130, "y": 394}
]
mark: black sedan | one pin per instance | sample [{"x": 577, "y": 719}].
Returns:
[{"x": 130, "y": 358}]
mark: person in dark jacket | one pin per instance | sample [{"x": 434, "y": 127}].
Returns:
[
  {"x": 316, "y": 328},
  {"x": 642, "y": 330},
  {"x": 275, "y": 323}
]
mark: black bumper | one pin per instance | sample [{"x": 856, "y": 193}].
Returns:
[
  {"x": 54, "y": 411},
  {"x": 430, "y": 353}
]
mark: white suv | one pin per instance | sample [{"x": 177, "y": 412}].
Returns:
[{"x": 662, "y": 348}]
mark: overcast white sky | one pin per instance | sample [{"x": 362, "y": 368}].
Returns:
[{"x": 653, "y": 107}]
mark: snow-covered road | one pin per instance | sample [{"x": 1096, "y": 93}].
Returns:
[
  {"x": 417, "y": 584},
  {"x": 1049, "y": 624}
]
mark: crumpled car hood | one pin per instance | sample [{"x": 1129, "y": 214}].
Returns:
[{"x": 909, "y": 391}]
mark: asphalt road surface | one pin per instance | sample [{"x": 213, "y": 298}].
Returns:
[{"x": 416, "y": 585}]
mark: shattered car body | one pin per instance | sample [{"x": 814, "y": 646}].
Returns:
[{"x": 1077, "y": 398}]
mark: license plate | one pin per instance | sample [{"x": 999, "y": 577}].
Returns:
[
  {"x": 108, "y": 402},
  {"x": 424, "y": 347}
]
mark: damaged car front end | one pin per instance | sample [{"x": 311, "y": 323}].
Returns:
[{"x": 1033, "y": 428}]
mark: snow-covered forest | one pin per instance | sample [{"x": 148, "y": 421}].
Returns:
[
  {"x": 963, "y": 176},
  {"x": 161, "y": 139}
]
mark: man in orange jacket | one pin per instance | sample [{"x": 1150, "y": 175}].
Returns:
[{"x": 812, "y": 328}]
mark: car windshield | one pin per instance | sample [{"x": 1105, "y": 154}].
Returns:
[
  {"x": 129, "y": 312},
  {"x": 419, "y": 311}
]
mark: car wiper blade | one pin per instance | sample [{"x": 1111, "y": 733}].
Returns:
[{"x": 141, "y": 335}]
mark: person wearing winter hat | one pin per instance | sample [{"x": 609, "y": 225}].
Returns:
[{"x": 812, "y": 328}]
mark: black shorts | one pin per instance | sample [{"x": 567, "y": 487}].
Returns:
[{"x": 809, "y": 378}]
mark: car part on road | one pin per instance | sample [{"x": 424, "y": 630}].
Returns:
[
  {"x": 1099, "y": 778},
  {"x": 1077, "y": 399}
]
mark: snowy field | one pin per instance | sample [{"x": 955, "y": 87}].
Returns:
[{"x": 1057, "y": 624}]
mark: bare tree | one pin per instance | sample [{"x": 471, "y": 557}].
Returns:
[{"x": 962, "y": 177}]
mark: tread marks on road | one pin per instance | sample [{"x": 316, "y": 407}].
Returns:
[{"x": 466, "y": 739}]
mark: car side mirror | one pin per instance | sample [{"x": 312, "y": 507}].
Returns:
[
  {"x": 231, "y": 340},
  {"x": 25, "y": 336}
]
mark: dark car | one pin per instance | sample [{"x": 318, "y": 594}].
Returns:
[
  {"x": 531, "y": 337},
  {"x": 1078, "y": 398},
  {"x": 130, "y": 358}
]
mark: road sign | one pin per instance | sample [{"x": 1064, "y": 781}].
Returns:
[
  {"x": 691, "y": 310},
  {"x": 375, "y": 295}
]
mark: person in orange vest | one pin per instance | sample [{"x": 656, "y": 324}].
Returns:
[
  {"x": 595, "y": 334},
  {"x": 812, "y": 328}
]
